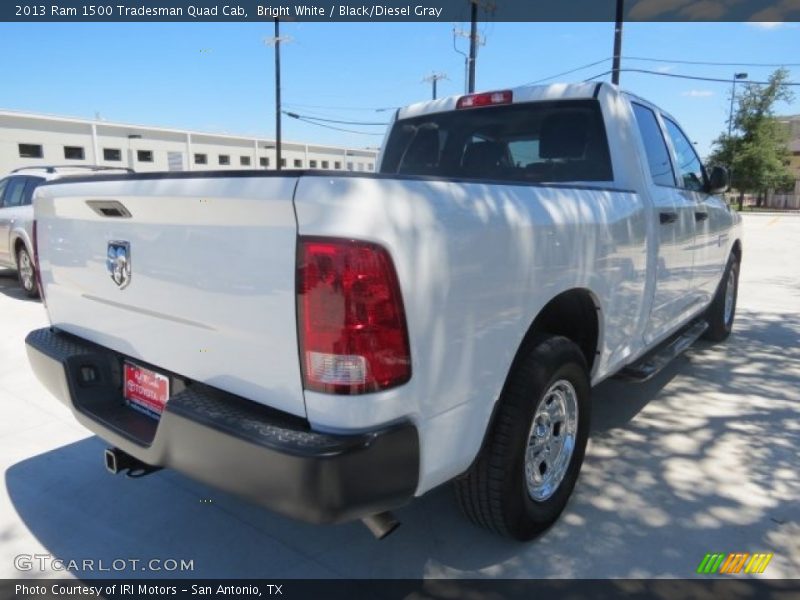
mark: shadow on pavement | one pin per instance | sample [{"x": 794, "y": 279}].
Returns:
[{"x": 702, "y": 458}]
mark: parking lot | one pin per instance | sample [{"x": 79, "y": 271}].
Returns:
[{"x": 702, "y": 458}]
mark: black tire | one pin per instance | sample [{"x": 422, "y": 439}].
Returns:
[
  {"x": 494, "y": 492},
  {"x": 30, "y": 284},
  {"x": 720, "y": 325}
]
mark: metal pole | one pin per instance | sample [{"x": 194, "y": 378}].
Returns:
[
  {"x": 434, "y": 87},
  {"x": 277, "y": 96},
  {"x": 617, "y": 43},
  {"x": 473, "y": 44},
  {"x": 730, "y": 113}
]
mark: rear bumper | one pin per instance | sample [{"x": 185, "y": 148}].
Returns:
[{"x": 239, "y": 446}]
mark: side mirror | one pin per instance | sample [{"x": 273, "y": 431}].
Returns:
[{"x": 718, "y": 180}]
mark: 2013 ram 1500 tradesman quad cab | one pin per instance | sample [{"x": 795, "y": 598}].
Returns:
[{"x": 331, "y": 345}]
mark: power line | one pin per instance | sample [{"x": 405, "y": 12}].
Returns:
[
  {"x": 312, "y": 118},
  {"x": 694, "y": 77},
  {"x": 299, "y": 118},
  {"x": 594, "y": 64},
  {"x": 375, "y": 108},
  {"x": 710, "y": 63}
]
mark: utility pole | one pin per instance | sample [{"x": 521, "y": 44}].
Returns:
[
  {"x": 433, "y": 78},
  {"x": 277, "y": 42},
  {"x": 617, "y": 42},
  {"x": 473, "y": 44}
]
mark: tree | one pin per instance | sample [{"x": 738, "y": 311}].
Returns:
[{"x": 757, "y": 151}]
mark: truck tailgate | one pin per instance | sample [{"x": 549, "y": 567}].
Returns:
[{"x": 210, "y": 294}]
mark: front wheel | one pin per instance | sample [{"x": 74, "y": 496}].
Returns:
[
  {"x": 722, "y": 311},
  {"x": 528, "y": 467},
  {"x": 26, "y": 272}
]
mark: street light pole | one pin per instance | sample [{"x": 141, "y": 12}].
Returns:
[
  {"x": 730, "y": 132},
  {"x": 733, "y": 95}
]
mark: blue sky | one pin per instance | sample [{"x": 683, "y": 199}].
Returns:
[{"x": 219, "y": 77}]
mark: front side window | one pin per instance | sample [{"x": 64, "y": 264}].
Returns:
[
  {"x": 655, "y": 147},
  {"x": 531, "y": 142},
  {"x": 690, "y": 170}
]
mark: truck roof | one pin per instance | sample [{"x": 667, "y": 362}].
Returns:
[{"x": 525, "y": 93}]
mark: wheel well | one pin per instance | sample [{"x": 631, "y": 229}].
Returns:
[
  {"x": 574, "y": 315},
  {"x": 18, "y": 243}
]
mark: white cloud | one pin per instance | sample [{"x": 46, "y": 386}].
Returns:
[
  {"x": 698, "y": 93},
  {"x": 767, "y": 24}
]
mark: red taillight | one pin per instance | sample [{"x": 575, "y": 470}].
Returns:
[
  {"x": 36, "y": 270},
  {"x": 485, "y": 99},
  {"x": 351, "y": 322}
]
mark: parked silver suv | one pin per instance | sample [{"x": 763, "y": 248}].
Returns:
[{"x": 16, "y": 216}]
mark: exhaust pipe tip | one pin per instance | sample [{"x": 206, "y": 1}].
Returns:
[
  {"x": 117, "y": 461},
  {"x": 112, "y": 465},
  {"x": 381, "y": 525}
]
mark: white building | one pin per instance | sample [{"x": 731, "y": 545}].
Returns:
[{"x": 28, "y": 139}]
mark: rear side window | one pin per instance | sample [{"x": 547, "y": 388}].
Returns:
[
  {"x": 33, "y": 183},
  {"x": 690, "y": 169},
  {"x": 655, "y": 146},
  {"x": 533, "y": 142}
]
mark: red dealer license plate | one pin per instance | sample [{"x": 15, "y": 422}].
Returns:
[{"x": 145, "y": 390}]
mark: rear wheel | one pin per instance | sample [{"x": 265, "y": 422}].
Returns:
[
  {"x": 26, "y": 273},
  {"x": 524, "y": 475},
  {"x": 722, "y": 311}
]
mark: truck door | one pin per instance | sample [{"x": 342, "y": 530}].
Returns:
[
  {"x": 708, "y": 221},
  {"x": 673, "y": 218}
]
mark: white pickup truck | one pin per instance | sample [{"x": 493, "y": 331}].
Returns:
[{"x": 331, "y": 345}]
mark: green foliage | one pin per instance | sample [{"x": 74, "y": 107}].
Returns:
[{"x": 757, "y": 152}]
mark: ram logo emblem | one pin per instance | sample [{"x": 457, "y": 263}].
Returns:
[{"x": 118, "y": 263}]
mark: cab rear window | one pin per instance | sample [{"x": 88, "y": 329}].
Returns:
[{"x": 535, "y": 142}]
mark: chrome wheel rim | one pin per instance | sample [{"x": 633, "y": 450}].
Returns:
[
  {"x": 730, "y": 288},
  {"x": 26, "y": 270},
  {"x": 551, "y": 440}
]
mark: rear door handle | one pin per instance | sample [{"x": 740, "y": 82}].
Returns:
[
  {"x": 700, "y": 216},
  {"x": 667, "y": 217}
]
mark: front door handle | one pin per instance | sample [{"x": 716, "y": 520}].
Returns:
[
  {"x": 667, "y": 217},
  {"x": 700, "y": 216}
]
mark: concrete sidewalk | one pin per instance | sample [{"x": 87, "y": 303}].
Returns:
[{"x": 703, "y": 458}]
